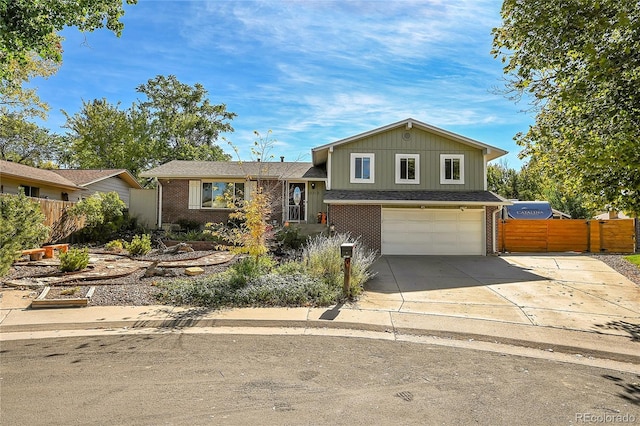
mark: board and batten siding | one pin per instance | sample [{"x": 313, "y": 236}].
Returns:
[{"x": 386, "y": 145}]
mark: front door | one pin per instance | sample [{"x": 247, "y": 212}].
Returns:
[{"x": 297, "y": 201}]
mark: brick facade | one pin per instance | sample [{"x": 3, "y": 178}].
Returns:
[
  {"x": 175, "y": 204},
  {"x": 359, "y": 220}
]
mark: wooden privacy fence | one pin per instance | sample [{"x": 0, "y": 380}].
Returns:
[{"x": 554, "y": 235}]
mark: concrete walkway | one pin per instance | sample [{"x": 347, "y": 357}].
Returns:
[{"x": 565, "y": 303}]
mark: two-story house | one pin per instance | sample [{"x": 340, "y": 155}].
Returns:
[{"x": 405, "y": 188}]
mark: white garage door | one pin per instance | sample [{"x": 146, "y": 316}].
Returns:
[{"x": 425, "y": 231}]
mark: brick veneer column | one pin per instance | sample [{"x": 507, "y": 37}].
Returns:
[
  {"x": 489, "y": 247},
  {"x": 360, "y": 220}
]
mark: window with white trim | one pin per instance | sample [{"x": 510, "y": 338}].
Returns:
[
  {"x": 451, "y": 169},
  {"x": 408, "y": 168},
  {"x": 362, "y": 168},
  {"x": 209, "y": 194}
]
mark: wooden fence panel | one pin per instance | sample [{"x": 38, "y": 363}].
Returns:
[
  {"x": 53, "y": 209},
  {"x": 570, "y": 235},
  {"x": 616, "y": 236},
  {"x": 553, "y": 235}
]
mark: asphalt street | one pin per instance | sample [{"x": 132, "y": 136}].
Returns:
[{"x": 177, "y": 378}]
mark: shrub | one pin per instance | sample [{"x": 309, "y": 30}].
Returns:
[
  {"x": 267, "y": 290},
  {"x": 114, "y": 245},
  {"x": 21, "y": 227},
  {"x": 323, "y": 260},
  {"x": 139, "y": 245},
  {"x": 290, "y": 238},
  {"x": 103, "y": 214},
  {"x": 74, "y": 260}
]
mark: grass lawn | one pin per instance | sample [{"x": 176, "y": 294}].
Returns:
[{"x": 634, "y": 258}]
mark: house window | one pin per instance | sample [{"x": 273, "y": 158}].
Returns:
[
  {"x": 408, "y": 168},
  {"x": 362, "y": 168},
  {"x": 214, "y": 194},
  {"x": 30, "y": 191},
  {"x": 451, "y": 169}
]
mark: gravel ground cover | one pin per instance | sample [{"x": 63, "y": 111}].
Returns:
[{"x": 130, "y": 290}]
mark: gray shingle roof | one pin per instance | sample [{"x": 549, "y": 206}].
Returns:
[
  {"x": 337, "y": 196},
  {"x": 235, "y": 169}
]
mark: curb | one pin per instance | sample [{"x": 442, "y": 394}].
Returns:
[{"x": 548, "y": 344}]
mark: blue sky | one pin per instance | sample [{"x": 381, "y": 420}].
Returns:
[{"x": 312, "y": 72}]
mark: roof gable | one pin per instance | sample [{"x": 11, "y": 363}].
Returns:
[
  {"x": 85, "y": 177},
  {"x": 320, "y": 154}
]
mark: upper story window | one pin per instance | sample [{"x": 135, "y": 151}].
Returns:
[
  {"x": 451, "y": 169},
  {"x": 408, "y": 168},
  {"x": 215, "y": 194},
  {"x": 362, "y": 168}
]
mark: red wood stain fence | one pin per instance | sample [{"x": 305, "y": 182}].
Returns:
[{"x": 554, "y": 235}]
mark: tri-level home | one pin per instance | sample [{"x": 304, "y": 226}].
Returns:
[{"x": 405, "y": 188}]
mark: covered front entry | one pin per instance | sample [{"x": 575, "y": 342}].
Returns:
[{"x": 432, "y": 231}]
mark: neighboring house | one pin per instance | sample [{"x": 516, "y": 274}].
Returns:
[
  {"x": 103, "y": 180},
  {"x": 64, "y": 185},
  {"x": 405, "y": 188},
  {"x": 36, "y": 182},
  {"x": 533, "y": 210}
]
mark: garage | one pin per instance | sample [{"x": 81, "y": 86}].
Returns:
[{"x": 432, "y": 231}]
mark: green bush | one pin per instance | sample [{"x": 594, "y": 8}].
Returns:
[
  {"x": 104, "y": 216},
  {"x": 139, "y": 245},
  {"x": 114, "y": 245},
  {"x": 21, "y": 227},
  {"x": 290, "y": 238},
  {"x": 74, "y": 260}
]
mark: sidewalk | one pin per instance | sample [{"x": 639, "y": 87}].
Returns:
[{"x": 16, "y": 323}]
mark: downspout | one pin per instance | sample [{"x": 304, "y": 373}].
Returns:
[
  {"x": 329, "y": 182},
  {"x": 159, "y": 192}
]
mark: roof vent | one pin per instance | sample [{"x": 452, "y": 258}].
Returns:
[{"x": 406, "y": 136}]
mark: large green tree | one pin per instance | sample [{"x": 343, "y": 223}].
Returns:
[
  {"x": 102, "y": 135},
  {"x": 579, "y": 63},
  {"x": 25, "y": 142},
  {"x": 31, "y": 26},
  {"x": 175, "y": 122},
  {"x": 184, "y": 124}
]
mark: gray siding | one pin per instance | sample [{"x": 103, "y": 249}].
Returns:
[
  {"x": 386, "y": 145},
  {"x": 109, "y": 185}
]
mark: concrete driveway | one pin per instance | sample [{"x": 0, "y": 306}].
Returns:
[{"x": 556, "y": 290}]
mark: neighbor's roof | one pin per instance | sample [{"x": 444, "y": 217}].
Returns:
[
  {"x": 457, "y": 198},
  {"x": 319, "y": 155},
  {"x": 30, "y": 174},
  {"x": 184, "y": 169},
  {"x": 86, "y": 177}
]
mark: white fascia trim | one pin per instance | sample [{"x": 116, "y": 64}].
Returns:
[{"x": 414, "y": 203}]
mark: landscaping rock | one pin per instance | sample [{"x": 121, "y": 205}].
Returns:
[{"x": 193, "y": 271}]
